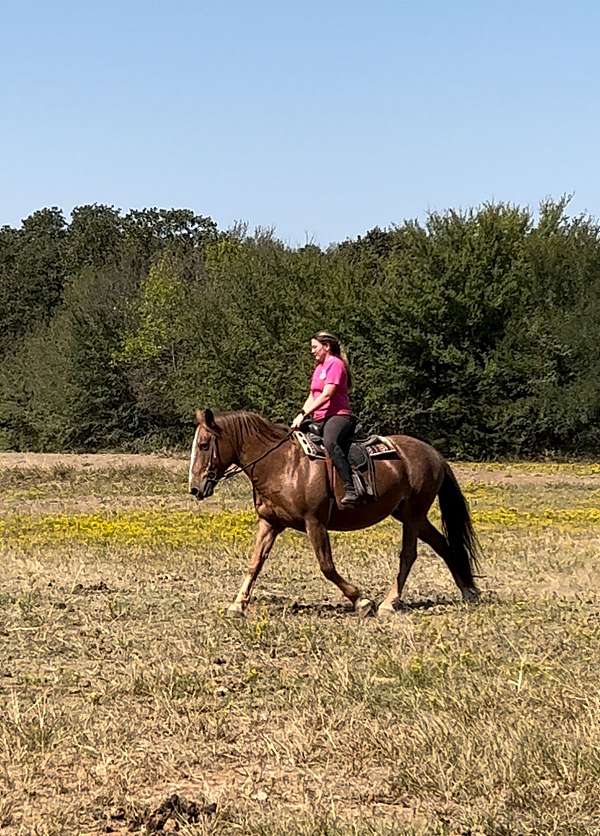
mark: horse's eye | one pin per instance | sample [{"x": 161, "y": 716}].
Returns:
[{"x": 204, "y": 445}]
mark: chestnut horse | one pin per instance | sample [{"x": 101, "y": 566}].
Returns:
[{"x": 293, "y": 491}]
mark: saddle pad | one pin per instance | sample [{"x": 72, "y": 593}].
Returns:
[
  {"x": 311, "y": 445},
  {"x": 376, "y": 446}
]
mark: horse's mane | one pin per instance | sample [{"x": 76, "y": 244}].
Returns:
[{"x": 241, "y": 424}]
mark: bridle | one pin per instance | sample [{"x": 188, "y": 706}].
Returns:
[
  {"x": 211, "y": 474},
  {"x": 213, "y": 458}
]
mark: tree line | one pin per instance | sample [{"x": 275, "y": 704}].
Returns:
[{"x": 476, "y": 330}]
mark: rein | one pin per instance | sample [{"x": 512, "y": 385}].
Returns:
[{"x": 235, "y": 469}]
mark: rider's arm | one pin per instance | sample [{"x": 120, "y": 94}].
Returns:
[{"x": 310, "y": 404}]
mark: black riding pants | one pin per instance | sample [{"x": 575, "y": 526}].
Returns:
[{"x": 338, "y": 432}]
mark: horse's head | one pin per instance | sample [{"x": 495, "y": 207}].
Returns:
[{"x": 206, "y": 462}]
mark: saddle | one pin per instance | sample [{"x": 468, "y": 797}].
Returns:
[{"x": 361, "y": 456}]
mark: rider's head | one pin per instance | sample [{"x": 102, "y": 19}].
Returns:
[
  {"x": 327, "y": 339},
  {"x": 332, "y": 343}
]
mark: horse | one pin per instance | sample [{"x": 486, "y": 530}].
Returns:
[{"x": 292, "y": 491}]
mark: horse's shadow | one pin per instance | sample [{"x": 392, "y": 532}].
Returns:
[{"x": 330, "y": 609}]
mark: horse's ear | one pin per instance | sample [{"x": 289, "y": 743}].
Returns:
[{"x": 205, "y": 416}]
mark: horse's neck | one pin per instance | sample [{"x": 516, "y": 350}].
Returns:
[
  {"x": 271, "y": 463},
  {"x": 262, "y": 455},
  {"x": 253, "y": 446}
]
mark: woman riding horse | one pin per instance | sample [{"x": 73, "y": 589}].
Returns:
[
  {"x": 292, "y": 491},
  {"x": 329, "y": 405}
]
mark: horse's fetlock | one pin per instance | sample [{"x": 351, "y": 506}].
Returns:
[{"x": 363, "y": 606}]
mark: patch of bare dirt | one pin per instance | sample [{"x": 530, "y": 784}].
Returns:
[
  {"x": 91, "y": 461},
  {"x": 169, "y": 816},
  {"x": 511, "y": 474},
  {"x": 175, "y": 812}
]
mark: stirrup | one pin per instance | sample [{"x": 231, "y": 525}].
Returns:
[{"x": 350, "y": 497}]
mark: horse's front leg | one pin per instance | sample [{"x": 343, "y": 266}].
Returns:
[
  {"x": 265, "y": 537},
  {"x": 319, "y": 538}
]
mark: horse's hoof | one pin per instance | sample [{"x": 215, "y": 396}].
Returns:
[
  {"x": 385, "y": 611},
  {"x": 363, "y": 607},
  {"x": 235, "y": 611},
  {"x": 471, "y": 595}
]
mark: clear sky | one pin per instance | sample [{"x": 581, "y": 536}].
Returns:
[{"x": 322, "y": 119}]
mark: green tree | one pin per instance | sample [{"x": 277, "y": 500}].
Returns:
[{"x": 31, "y": 273}]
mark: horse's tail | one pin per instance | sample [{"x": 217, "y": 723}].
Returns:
[{"x": 465, "y": 550}]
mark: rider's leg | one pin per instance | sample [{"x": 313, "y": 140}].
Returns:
[{"x": 337, "y": 437}]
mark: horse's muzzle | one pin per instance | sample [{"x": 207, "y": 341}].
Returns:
[{"x": 205, "y": 489}]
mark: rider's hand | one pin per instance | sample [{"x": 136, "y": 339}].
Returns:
[{"x": 298, "y": 420}]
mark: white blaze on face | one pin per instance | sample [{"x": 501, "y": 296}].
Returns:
[{"x": 193, "y": 456}]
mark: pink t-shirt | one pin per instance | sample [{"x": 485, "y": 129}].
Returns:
[{"x": 332, "y": 370}]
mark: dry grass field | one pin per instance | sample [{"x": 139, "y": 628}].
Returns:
[{"x": 129, "y": 703}]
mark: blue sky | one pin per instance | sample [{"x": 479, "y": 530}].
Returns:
[{"x": 322, "y": 119}]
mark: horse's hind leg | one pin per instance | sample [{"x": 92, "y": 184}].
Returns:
[
  {"x": 408, "y": 555},
  {"x": 319, "y": 538},
  {"x": 265, "y": 537},
  {"x": 434, "y": 538}
]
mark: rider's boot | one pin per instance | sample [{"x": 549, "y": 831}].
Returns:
[{"x": 350, "y": 496}]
